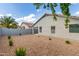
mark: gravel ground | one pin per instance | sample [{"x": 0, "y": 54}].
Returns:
[{"x": 38, "y": 45}]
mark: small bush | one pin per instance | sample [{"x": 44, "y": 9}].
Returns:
[
  {"x": 20, "y": 34},
  {"x": 10, "y": 42},
  {"x": 20, "y": 52},
  {"x": 50, "y": 38},
  {"x": 9, "y": 37},
  {"x": 68, "y": 42},
  {"x": 38, "y": 36}
]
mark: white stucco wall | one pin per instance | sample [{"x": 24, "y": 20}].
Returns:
[{"x": 60, "y": 30}]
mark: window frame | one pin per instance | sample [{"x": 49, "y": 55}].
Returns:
[
  {"x": 52, "y": 29},
  {"x": 40, "y": 29},
  {"x": 74, "y": 29}
]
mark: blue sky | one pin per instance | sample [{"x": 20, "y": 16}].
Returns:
[{"x": 26, "y": 12}]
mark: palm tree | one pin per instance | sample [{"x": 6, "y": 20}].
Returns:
[
  {"x": 63, "y": 6},
  {"x": 8, "y": 22}
]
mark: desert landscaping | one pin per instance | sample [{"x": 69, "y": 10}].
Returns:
[{"x": 38, "y": 45}]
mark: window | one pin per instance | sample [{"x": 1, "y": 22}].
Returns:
[
  {"x": 40, "y": 29},
  {"x": 74, "y": 28},
  {"x": 52, "y": 29},
  {"x": 35, "y": 30},
  {"x": 23, "y": 27}
]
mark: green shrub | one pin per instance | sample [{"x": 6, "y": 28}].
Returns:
[
  {"x": 20, "y": 52},
  {"x": 10, "y": 42},
  {"x": 68, "y": 42},
  {"x": 20, "y": 34},
  {"x": 50, "y": 38},
  {"x": 9, "y": 37}
]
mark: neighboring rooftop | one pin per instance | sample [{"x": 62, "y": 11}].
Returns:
[{"x": 28, "y": 24}]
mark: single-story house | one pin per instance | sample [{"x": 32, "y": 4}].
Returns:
[
  {"x": 26, "y": 25},
  {"x": 47, "y": 26}
]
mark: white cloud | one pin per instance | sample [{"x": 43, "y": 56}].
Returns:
[
  {"x": 8, "y": 14},
  {"x": 76, "y": 13},
  {"x": 29, "y": 18},
  {"x": 38, "y": 10},
  {"x": 19, "y": 20},
  {"x": 59, "y": 13},
  {"x": 74, "y": 3},
  {"x": 1, "y": 15},
  {"x": 5, "y": 15}
]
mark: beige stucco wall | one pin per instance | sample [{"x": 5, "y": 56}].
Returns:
[
  {"x": 60, "y": 30},
  {"x": 26, "y": 27}
]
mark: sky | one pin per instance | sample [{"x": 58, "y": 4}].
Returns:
[{"x": 26, "y": 12}]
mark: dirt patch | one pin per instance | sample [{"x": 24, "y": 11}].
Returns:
[{"x": 39, "y": 46}]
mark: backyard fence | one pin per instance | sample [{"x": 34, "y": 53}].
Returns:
[{"x": 6, "y": 31}]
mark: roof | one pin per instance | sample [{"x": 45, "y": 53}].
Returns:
[
  {"x": 28, "y": 24},
  {"x": 59, "y": 15}
]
